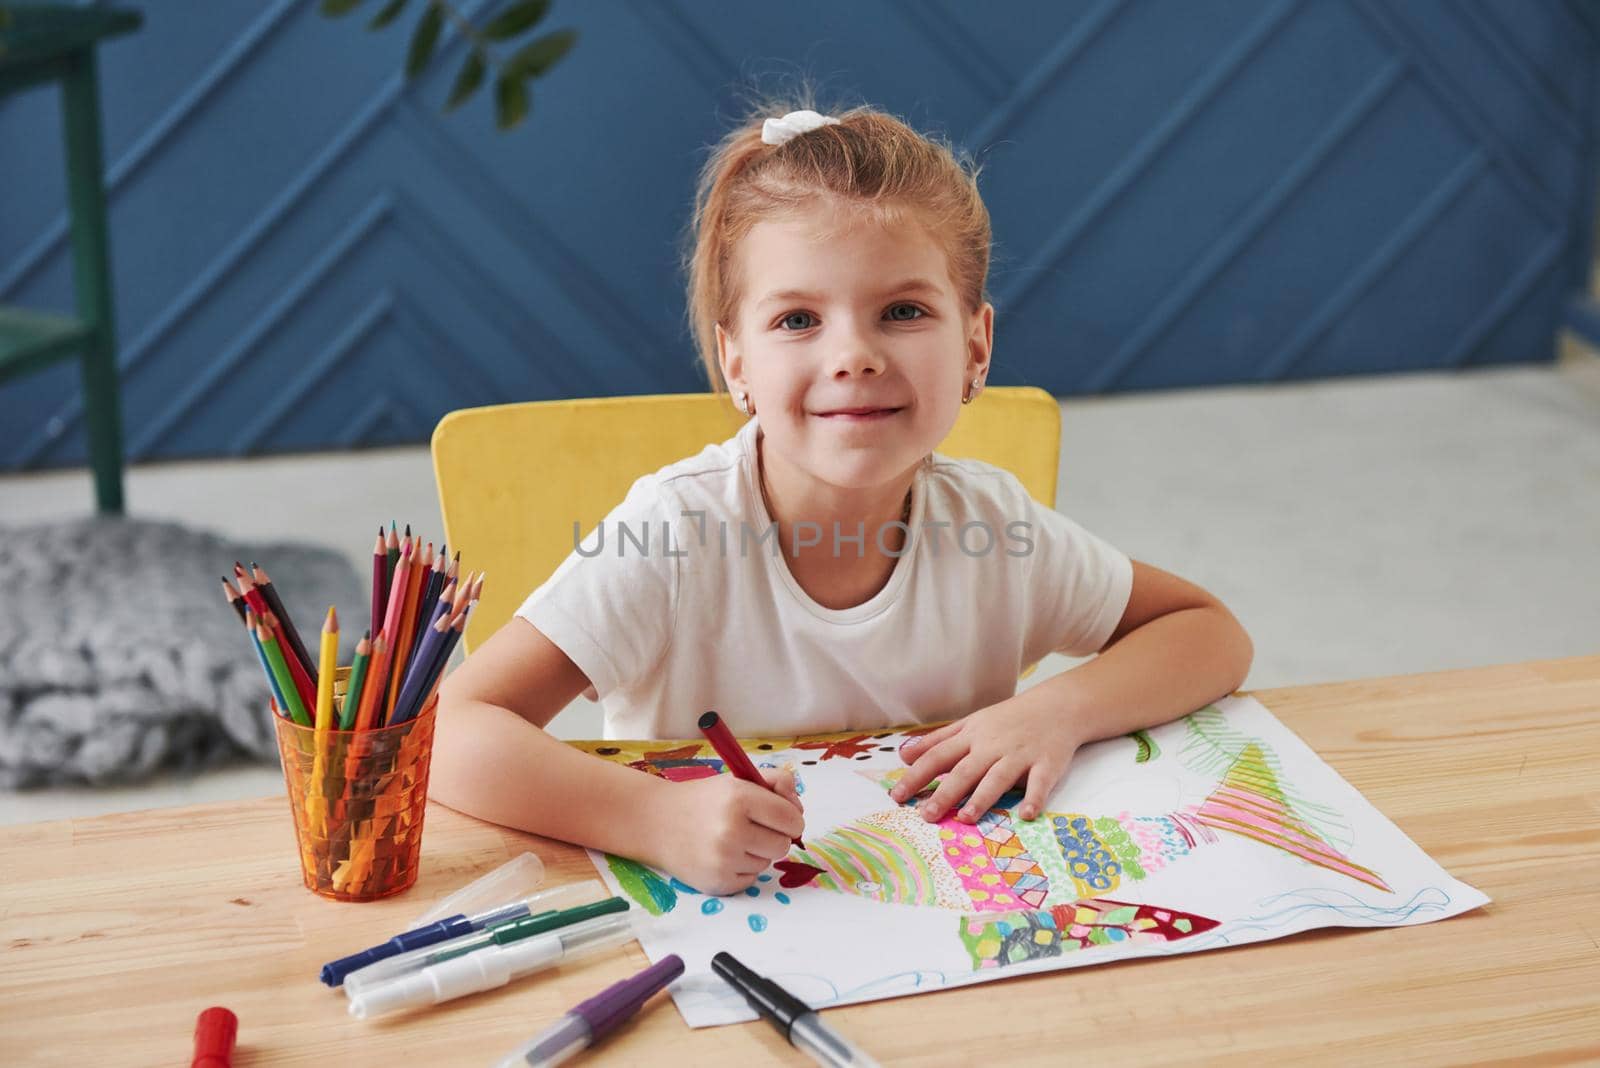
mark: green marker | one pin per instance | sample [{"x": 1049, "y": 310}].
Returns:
[
  {"x": 499, "y": 934},
  {"x": 502, "y": 934}
]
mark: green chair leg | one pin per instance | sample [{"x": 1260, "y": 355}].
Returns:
[
  {"x": 103, "y": 420},
  {"x": 91, "y": 264}
]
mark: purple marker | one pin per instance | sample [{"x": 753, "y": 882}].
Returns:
[{"x": 595, "y": 1018}]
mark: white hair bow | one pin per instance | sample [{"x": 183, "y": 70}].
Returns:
[{"x": 778, "y": 131}]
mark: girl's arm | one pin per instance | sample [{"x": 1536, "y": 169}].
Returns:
[
  {"x": 1175, "y": 649},
  {"x": 493, "y": 759}
]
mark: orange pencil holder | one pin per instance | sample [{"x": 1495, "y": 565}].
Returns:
[{"x": 358, "y": 799}]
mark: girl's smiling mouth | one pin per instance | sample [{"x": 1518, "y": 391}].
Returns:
[{"x": 857, "y": 415}]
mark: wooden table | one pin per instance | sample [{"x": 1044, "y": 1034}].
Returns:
[{"x": 119, "y": 930}]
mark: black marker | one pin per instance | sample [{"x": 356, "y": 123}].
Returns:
[{"x": 798, "y": 1021}]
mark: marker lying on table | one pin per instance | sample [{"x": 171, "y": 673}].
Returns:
[
  {"x": 499, "y": 934},
  {"x": 799, "y": 1022},
  {"x": 591, "y": 1020},
  {"x": 491, "y": 967},
  {"x": 214, "y": 1035},
  {"x": 733, "y": 754},
  {"x": 334, "y": 972}
]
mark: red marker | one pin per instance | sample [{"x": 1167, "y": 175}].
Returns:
[
  {"x": 214, "y": 1033},
  {"x": 733, "y": 755}
]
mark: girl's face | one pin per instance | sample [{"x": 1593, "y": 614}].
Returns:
[{"x": 851, "y": 342}]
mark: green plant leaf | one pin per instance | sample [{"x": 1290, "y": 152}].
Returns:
[
  {"x": 511, "y": 101},
  {"x": 534, "y": 59},
  {"x": 423, "y": 38},
  {"x": 387, "y": 14},
  {"x": 468, "y": 80},
  {"x": 335, "y": 8},
  {"x": 516, "y": 18}
]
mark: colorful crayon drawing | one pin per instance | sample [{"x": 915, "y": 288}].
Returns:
[
  {"x": 1001, "y": 863},
  {"x": 1212, "y": 744},
  {"x": 1038, "y": 874},
  {"x": 1016, "y": 937},
  {"x": 1222, "y": 829},
  {"x": 1148, "y": 750}
]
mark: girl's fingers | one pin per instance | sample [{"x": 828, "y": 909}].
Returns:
[
  {"x": 912, "y": 748},
  {"x": 1000, "y": 777},
  {"x": 928, "y": 767},
  {"x": 783, "y": 781},
  {"x": 1042, "y": 778},
  {"x": 956, "y": 784},
  {"x": 766, "y": 843},
  {"x": 776, "y": 815}
]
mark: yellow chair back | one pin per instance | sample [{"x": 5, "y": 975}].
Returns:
[{"x": 513, "y": 477}]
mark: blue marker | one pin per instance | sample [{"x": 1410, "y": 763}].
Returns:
[{"x": 334, "y": 972}]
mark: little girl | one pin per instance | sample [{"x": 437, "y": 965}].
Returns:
[{"x": 825, "y": 569}]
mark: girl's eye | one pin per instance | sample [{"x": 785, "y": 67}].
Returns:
[{"x": 899, "y": 313}]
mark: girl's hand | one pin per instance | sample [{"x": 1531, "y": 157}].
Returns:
[
  {"x": 986, "y": 754},
  {"x": 720, "y": 832}
]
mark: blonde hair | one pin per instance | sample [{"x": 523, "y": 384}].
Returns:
[{"x": 869, "y": 159}]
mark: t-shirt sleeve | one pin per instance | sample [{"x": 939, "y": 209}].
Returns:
[
  {"x": 609, "y": 606},
  {"x": 1078, "y": 584}
]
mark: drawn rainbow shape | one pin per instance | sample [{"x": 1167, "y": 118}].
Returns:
[{"x": 886, "y": 856}]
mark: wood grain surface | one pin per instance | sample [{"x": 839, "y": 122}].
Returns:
[{"x": 118, "y": 930}]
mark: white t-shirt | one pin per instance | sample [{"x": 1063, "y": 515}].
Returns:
[{"x": 671, "y": 613}]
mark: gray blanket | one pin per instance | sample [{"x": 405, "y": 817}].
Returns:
[{"x": 119, "y": 657}]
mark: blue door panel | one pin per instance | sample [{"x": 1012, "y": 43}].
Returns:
[{"x": 308, "y": 255}]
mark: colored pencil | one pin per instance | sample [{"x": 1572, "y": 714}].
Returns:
[
  {"x": 419, "y": 678},
  {"x": 441, "y": 657},
  {"x": 369, "y": 692},
  {"x": 408, "y": 626},
  {"x": 264, "y": 584},
  {"x": 303, "y": 686},
  {"x": 441, "y": 610},
  {"x": 264, "y": 615},
  {"x": 430, "y": 593},
  {"x": 391, "y": 557},
  {"x": 380, "y": 588},
  {"x": 358, "y": 675},
  {"x": 261, "y": 654},
  {"x": 251, "y": 595},
  {"x": 459, "y": 603},
  {"x": 393, "y": 621},
  {"x": 327, "y": 667},
  {"x": 275, "y": 657},
  {"x": 235, "y": 599}
]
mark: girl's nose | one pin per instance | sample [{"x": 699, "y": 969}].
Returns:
[{"x": 855, "y": 355}]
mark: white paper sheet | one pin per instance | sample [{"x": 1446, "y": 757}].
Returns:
[{"x": 1225, "y": 829}]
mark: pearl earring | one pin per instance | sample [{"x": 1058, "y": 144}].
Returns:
[
  {"x": 969, "y": 394},
  {"x": 744, "y": 404}
]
